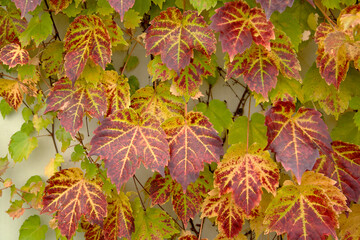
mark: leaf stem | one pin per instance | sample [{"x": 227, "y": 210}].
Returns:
[
  {"x": 201, "y": 228},
  {"x": 128, "y": 58},
  {"x": 248, "y": 127}
]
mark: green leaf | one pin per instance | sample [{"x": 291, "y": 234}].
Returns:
[
  {"x": 52, "y": 167},
  {"x": 141, "y": 6},
  {"x": 40, "y": 122},
  {"x": 5, "y": 108},
  {"x": 52, "y": 58},
  {"x": 152, "y": 224},
  {"x": 21, "y": 145},
  {"x": 26, "y": 114},
  {"x": 159, "y": 3},
  {"x": 26, "y": 71},
  {"x": 90, "y": 168},
  {"x": 78, "y": 154},
  {"x": 132, "y": 63},
  {"x": 346, "y": 130},
  {"x": 131, "y": 19},
  {"x": 27, "y": 127},
  {"x": 38, "y": 29},
  {"x": 32, "y": 229},
  {"x": 134, "y": 84},
  {"x": 64, "y": 137},
  {"x": 72, "y": 10},
  {"x": 218, "y": 114},
  {"x": 201, "y": 5},
  {"x": 257, "y": 130}
]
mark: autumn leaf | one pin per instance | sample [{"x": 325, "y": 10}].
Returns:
[
  {"x": 306, "y": 210},
  {"x": 244, "y": 172},
  {"x": 120, "y": 221},
  {"x": 160, "y": 188},
  {"x": 26, "y": 6},
  {"x": 10, "y": 91},
  {"x": 193, "y": 142},
  {"x": 239, "y": 26},
  {"x": 52, "y": 58},
  {"x": 121, "y": 6},
  {"x": 159, "y": 102},
  {"x": 73, "y": 102},
  {"x": 152, "y": 223},
  {"x": 349, "y": 225},
  {"x": 92, "y": 231},
  {"x": 71, "y": 196},
  {"x": 4, "y": 164},
  {"x": 349, "y": 17},
  {"x": 117, "y": 91},
  {"x": 125, "y": 139},
  {"x": 175, "y": 36},
  {"x": 296, "y": 137},
  {"x": 115, "y": 32},
  {"x": 343, "y": 166},
  {"x": 12, "y": 55},
  {"x": 11, "y": 26},
  {"x": 158, "y": 70},
  {"x": 59, "y": 5},
  {"x": 271, "y": 6},
  {"x": 86, "y": 37},
  {"x": 16, "y": 209}
]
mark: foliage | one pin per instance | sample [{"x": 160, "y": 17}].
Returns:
[{"x": 290, "y": 169}]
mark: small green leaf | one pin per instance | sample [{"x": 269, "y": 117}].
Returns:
[
  {"x": 134, "y": 84},
  {"x": 72, "y": 10},
  {"x": 32, "y": 229},
  {"x": 131, "y": 19},
  {"x": 27, "y": 127},
  {"x": 132, "y": 63},
  {"x": 90, "y": 168},
  {"x": 218, "y": 114},
  {"x": 78, "y": 154},
  {"x": 64, "y": 137},
  {"x": 21, "y": 145},
  {"x": 26, "y": 71},
  {"x": 5, "y": 108},
  {"x": 142, "y": 6},
  {"x": 26, "y": 113},
  {"x": 53, "y": 165},
  {"x": 40, "y": 122},
  {"x": 37, "y": 30}
]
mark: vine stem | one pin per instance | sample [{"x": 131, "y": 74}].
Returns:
[
  {"x": 128, "y": 58},
  {"x": 325, "y": 15},
  {"x": 132, "y": 37},
  {"x": 137, "y": 189},
  {"x": 201, "y": 228},
  {"x": 53, "y": 22},
  {"x": 248, "y": 126}
]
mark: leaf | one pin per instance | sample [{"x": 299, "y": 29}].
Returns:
[
  {"x": 16, "y": 210},
  {"x": 244, "y": 173},
  {"x": 64, "y": 137},
  {"x": 306, "y": 210},
  {"x": 38, "y": 30},
  {"x": 11, "y": 26},
  {"x": 142, "y": 7},
  {"x": 71, "y": 195},
  {"x": 59, "y": 5},
  {"x": 296, "y": 137},
  {"x": 119, "y": 221},
  {"x": 239, "y": 26},
  {"x": 271, "y": 6},
  {"x": 193, "y": 142},
  {"x": 124, "y": 139},
  {"x": 12, "y": 55},
  {"x": 202, "y": 5},
  {"x": 229, "y": 216},
  {"x": 115, "y": 32},
  {"x": 121, "y": 6},
  {"x": 86, "y": 37},
  {"x": 117, "y": 91},
  {"x": 21, "y": 145},
  {"x": 349, "y": 227},
  {"x": 132, "y": 63},
  {"x": 345, "y": 129},
  {"x": 218, "y": 114},
  {"x": 52, "y": 167},
  {"x": 32, "y": 230},
  {"x": 152, "y": 224},
  {"x": 92, "y": 231},
  {"x": 4, "y": 164},
  {"x": 26, "y": 6},
  {"x": 158, "y": 102},
  {"x": 343, "y": 166},
  {"x": 158, "y": 70},
  {"x": 10, "y": 91},
  {"x": 160, "y": 188},
  {"x": 349, "y": 17},
  {"x": 132, "y": 19},
  {"x": 52, "y": 58},
  {"x": 73, "y": 102},
  {"x": 175, "y": 35}
]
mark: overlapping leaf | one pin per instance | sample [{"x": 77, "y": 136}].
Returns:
[
  {"x": 260, "y": 67},
  {"x": 120, "y": 221},
  {"x": 160, "y": 188},
  {"x": 26, "y": 6},
  {"x": 271, "y": 6},
  {"x": 244, "y": 174},
  {"x": 73, "y": 102},
  {"x": 158, "y": 102},
  {"x": 158, "y": 70},
  {"x": 117, "y": 91},
  {"x": 59, "y": 5},
  {"x": 349, "y": 225},
  {"x": 349, "y": 17},
  {"x": 229, "y": 216},
  {"x": 11, "y": 25},
  {"x": 12, "y": 55},
  {"x": 121, "y": 6},
  {"x": 124, "y": 139},
  {"x": 38, "y": 30},
  {"x": 343, "y": 166},
  {"x": 115, "y": 32},
  {"x": 175, "y": 35},
  {"x": 71, "y": 195},
  {"x": 201, "y": 5},
  {"x": 239, "y": 26},
  {"x": 10, "y": 91},
  {"x": 52, "y": 58},
  {"x": 296, "y": 137},
  {"x": 92, "y": 231},
  {"x": 86, "y": 37},
  {"x": 306, "y": 211},
  {"x": 193, "y": 142}
]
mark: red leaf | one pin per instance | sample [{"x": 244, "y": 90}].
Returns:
[
  {"x": 124, "y": 139},
  {"x": 175, "y": 35},
  {"x": 71, "y": 195},
  {"x": 239, "y": 26},
  {"x": 343, "y": 166},
  {"x": 271, "y": 6},
  {"x": 160, "y": 188},
  {"x": 26, "y": 6},
  {"x": 86, "y": 37},
  {"x": 244, "y": 173},
  {"x": 92, "y": 231},
  {"x": 121, "y": 6},
  {"x": 296, "y": 137},
  {"x": 11, "y": 25},
  {"x": 74, "y": 102},
  {"x": 59, "y": 5},
  {"x": 12, "y": 55},
  {"x": 193, "y": 142}
]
